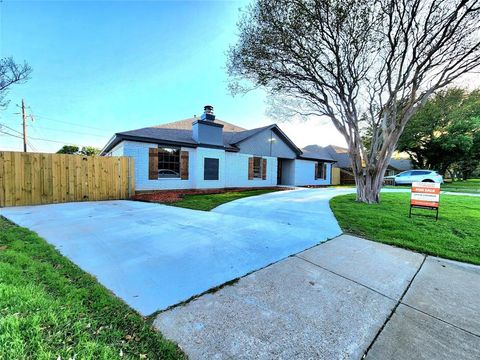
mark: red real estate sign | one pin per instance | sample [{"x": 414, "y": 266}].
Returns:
[{"x": 425, "y": 194}]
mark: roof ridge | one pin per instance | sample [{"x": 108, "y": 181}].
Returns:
[{"x": 186, "y": 124}]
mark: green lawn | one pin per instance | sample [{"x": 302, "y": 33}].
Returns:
[
  {"x": 456, "y": 234},
  {"x": 51, "y": 309},
  {"x": 467, "y": 186},
  {"x": 207, "y": 202}
]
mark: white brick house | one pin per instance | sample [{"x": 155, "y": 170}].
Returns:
[{"x": 207, "y": 153}]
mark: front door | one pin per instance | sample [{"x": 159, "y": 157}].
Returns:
[{"x": 279, "y": 171}]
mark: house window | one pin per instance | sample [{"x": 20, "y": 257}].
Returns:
[
  {"x": 210, "y": 169},
  {"x": 168, "y": 162},
  {"x": 257, "y": 167},
  {"x": 321, "y": 170}
]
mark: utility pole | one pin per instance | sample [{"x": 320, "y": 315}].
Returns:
[{"x": 24, "y": 118}]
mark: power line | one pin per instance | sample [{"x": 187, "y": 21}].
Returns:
[
  {"x": 22, "y": 135},
  {"x": 12, "y": 129},
  {"x": 71, "y": 123},
  {"x": 29, "y": 143},
  {"x": 5, "y": 133},
  {"x": 41, "y": 139},
  {"x": 69, "y": 131},
  {"x": 54, "y": 141}
]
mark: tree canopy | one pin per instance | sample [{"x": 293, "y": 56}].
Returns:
[
  {"x": 363, "y": 64},
  {"x": 69, "y": 149},
  {"x": 445, "y": 133},
  {"x": 75, "y": 150}
]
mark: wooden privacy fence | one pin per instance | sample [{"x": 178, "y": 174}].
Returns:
[
  {"x": 37, "y": 178},
  {"x": 335, "y": 176}
]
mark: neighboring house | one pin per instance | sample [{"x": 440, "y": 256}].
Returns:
[
  {"x": 398, "y": 165},
  {"x": 342, "y": 161},
  {"x": 209, "y": 153}
]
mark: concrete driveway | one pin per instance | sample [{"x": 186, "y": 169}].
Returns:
[{"x": 154, "y": 256}]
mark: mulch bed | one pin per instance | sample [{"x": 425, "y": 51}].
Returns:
[{"x": 169, "y": 196}]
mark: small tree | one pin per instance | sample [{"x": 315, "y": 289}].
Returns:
[
  {"x": 363, "y": 64},
  {"x": 11, "y": 73},
  {"x": 68, "y": 149},
  {"x": 90, "y": 151}
]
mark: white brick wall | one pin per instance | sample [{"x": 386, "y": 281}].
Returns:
[
  {"x": 116, "y": 151},
  {"x": 305, "y": 173},
  {"x": 237, "y": 171},
  {"x": 233, "y": 169},
  {"x": 201, "y": 154},
  {"x": 139, "y": 151}
]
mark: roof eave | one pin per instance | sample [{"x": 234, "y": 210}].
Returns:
[
  {"x": 109, "y": 145},
  {"x": 303, "y": 157},
  {"x": 119, "y": 137}
]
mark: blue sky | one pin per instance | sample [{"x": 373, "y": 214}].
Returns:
[{"x": 108, "y": 66}]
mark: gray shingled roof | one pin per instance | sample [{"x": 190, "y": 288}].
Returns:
[
  {"x": 340, "y": 155},
  {"x": 236, "y": 137},
  {"x": 186, "y": 124},
  {"x": 316, "y": 152},
  {"x": 401, "y": 164},
  {"x": 178, "y": 135},
  {"x": 185, "y": 136},
  {"x": 180, "y": 132}
]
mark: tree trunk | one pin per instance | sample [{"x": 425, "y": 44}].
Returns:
[
  {"x": 369, "y": 176},
  {"x": 368, "y": 180},
  {"x": 368, "y": 193},
  {"x": 368, "y": 187}
]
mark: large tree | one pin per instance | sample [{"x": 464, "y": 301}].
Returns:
[
  {"x": 445, "y": 133},
  {"x": 363, "y": 64},
  {"x": 11, "y": 73}
]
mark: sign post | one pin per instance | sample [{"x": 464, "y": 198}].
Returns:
[{"x": 425, "y": 195}]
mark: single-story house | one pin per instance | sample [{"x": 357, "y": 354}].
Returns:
[
  {"x": 342, "y": 162},
  {"x": 200, "y": 153}
]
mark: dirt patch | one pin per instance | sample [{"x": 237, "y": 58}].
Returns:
[{"x": 169, "y": 196}]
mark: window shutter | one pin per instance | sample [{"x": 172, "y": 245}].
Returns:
[
  {"x": 264, "y": 169},
  {"x": 184, "y": 165},
  {"x": 153, "y": 163},
  {"x": 250, "y": 168},
  {"x": 316, "y": 170}
]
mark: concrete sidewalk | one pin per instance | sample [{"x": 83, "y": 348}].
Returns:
[{"x": 343, "y": 299}]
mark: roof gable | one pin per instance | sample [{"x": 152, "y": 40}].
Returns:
[{"x": 239, "y": 137}]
